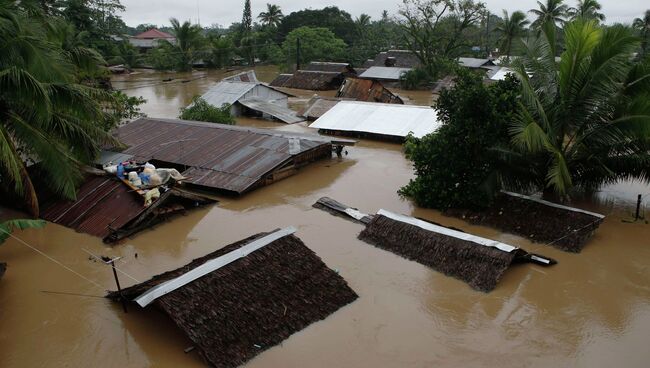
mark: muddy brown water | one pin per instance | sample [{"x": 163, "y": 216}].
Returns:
[{"x": 590, "y": 310}]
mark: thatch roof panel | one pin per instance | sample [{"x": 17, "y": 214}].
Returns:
[{"x": 252, "y": 304}]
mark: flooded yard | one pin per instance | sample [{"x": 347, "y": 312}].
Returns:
[{"x": 590, "y": 310}]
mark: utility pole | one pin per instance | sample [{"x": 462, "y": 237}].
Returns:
[
  {"x": 487, "y": 36},
  {"x": 298, "y": 53},
  {"x": 638, "y": 208}
]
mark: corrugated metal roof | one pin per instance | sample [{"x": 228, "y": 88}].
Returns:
[
  {"x": 500, "y": 74},
  {"x": 220, "y": 156},
  {"x": 377, "y": 118},
  {"x": 106, "y": 157},
  {"x": 154, "y": 34},
  {"x": 394, "y": 58},
  {"x": 367, "y": 90},
  {"x": 281, "y": 113},
  {"x": 317, "y": 106},
  {"x": 103, "y": 203},
  {"x": 384, "y": 73},
  {"x": 329, "y": 67},
  {"x": 247, "y": 76},
  {"x": 474, "y": 62},
  {"x": 228, "y": 92}
]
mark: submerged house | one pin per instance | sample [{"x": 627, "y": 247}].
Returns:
[
  {"x": 321, "y": 66},
  {"x": 150, "y": 39},
  {"x": 387, "y": 75},
  {"x": 251, "y": 98},
  {"x": 317, "y": 106},
  {"x": 394, "y": 58},
  {"x": 108, "y": 208},
  {"x": 315, "y": 80},
  {"x": 246, "y": 297},
  {"x": 223, "y": 158},
  {"x": 378, "y": 120},
  {"x": 474, "y": 63},
  {"x": 367, "y": 90}
]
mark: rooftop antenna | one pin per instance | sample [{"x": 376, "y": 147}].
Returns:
[{"x": 198, "y": 13}]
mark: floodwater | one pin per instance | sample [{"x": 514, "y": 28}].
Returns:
[{"x": 590, "y": 310}]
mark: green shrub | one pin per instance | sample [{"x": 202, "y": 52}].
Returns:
[
  {"x": 456, "y": 166},
  {"x": 201, "y": 110}
]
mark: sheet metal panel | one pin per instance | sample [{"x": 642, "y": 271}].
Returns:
[
  {"x": 217, "y": 156},
  {"x": 281, "y": 113},
  {"x": 377, "y": 118},
  {"x": 227, "y": 92},
  {"x": 384, "y": 73}
]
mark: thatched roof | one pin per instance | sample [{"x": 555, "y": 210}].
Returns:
[
  {"x": 311, "y": 80},
  {"x": 479, "y": 265},
  {"x": 321, "y": 66},
  {"x": 237, "y": 311},
  {"x": 563, "y": 227}
]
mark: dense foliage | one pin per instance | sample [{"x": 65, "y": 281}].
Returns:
[
  {"x": 200, "y": 110},
  {"x": 316, "y": 44},
  {"x": 455, "y": 166}
]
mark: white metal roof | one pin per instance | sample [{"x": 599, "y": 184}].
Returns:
[
  {"x": 279, "y": 112},
  {"x": 473, "y": 62},
  {"x": 227, "y": 92},
  {"x": 384, "y": 72},
  {"x": 379, "y": 118},
  {"x": 501, "y": 73}
]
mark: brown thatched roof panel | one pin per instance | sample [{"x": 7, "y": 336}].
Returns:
[
  {"x": 394, "y": 58},
  {"x": 280, "y": 80},
  {"x": 322, "y": 66},
  {"x": 562, "y": 227},
  {"x": 480, "y": 266},
  {"x": 313, "y": 80},
  {"x": 237, "y": 311},
  {"x": 367, "y": 90}
]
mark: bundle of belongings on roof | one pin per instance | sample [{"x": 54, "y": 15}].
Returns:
[{"x": 144, "y": 178}]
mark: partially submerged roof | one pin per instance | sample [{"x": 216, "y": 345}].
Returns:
[
  {"x": 317, "y": 107},
  {"x": 367, "y": 90},
  {"x": 330, "y": 67},
  {"x": 228, "y": 92},
  {"x": 246, "y": 297},
  {"x": 384, "y": 73},
  {"x": 218, "y": 156},
  {"x": 247, "y": 76},
  {"x": 109, "y": 209},
  {"x": 378, "y": 118},
  {"x": 394, "y": 58},
  {"x": 276, "y": 111},
  {"x": 474, "y": 62},
  {"x": 498, "y": 74},
  {"x": 478, "y": 261},
  {"x": 154, "y": 34},
  {"x": 311, "y": 80}
]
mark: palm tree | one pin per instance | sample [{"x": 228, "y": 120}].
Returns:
[
  {"x": 188, "y": 40},
  {"x": 584, "y": 121},
  {"x": 553, "y": 11},
  {"x": 46, "y": 116},
  {"x": 587, "y": 9},
  {"x": 361, "y": 24},
  {"x": 511, "y": 27},
  {"x": 272, "y": 16},
  {"x": 642, "y": 25}
]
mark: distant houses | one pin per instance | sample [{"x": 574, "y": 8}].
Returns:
[{"x": 150, "y": 39}]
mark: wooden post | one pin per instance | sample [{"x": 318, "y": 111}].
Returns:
[
  {"x": 119, "y": 288},
  {"x": 638, "y": 207},
  {"x": 297, "y": 53}
]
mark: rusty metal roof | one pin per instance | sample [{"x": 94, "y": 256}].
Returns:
[
  {"x": 367, "y": 90},
  {"x": 103, "y": 203},
  {"x": 220, "y": 157}
]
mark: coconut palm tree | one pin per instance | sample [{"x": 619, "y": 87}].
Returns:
[
  {"x": 553, "y": 11},
  {"x": 361, "y": 24},
  {"x": 511, "y": 27},
  {"x": 47, "y": 118},
  {"x": 642, "y": 25},
  {"x": 587, "y": 9},
  {"x": 272, "y": 16},
  {"x": 584, "y": 121},
  {"x": 188, "y": 41}
]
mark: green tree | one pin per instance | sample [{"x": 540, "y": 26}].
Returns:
[
  {"x": 272, "y": 16},
  {"x": 510, "y": 28},
  {"x": 455, "y": 166},
  {"x": 315, "y": 44},
  {"x": 336, "y": 20},
  {"x": 584, "y": 121},
  {"x": 436, "y": 30},
  {"x": 642, "y": 26},
  {"x": 201, "y": 110},
  {"x": 46, "y": 115},
  {"x": 554, "y": 11},
  {"x": 188, "y": 40},
  {"x": 587, "y": 9}
]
